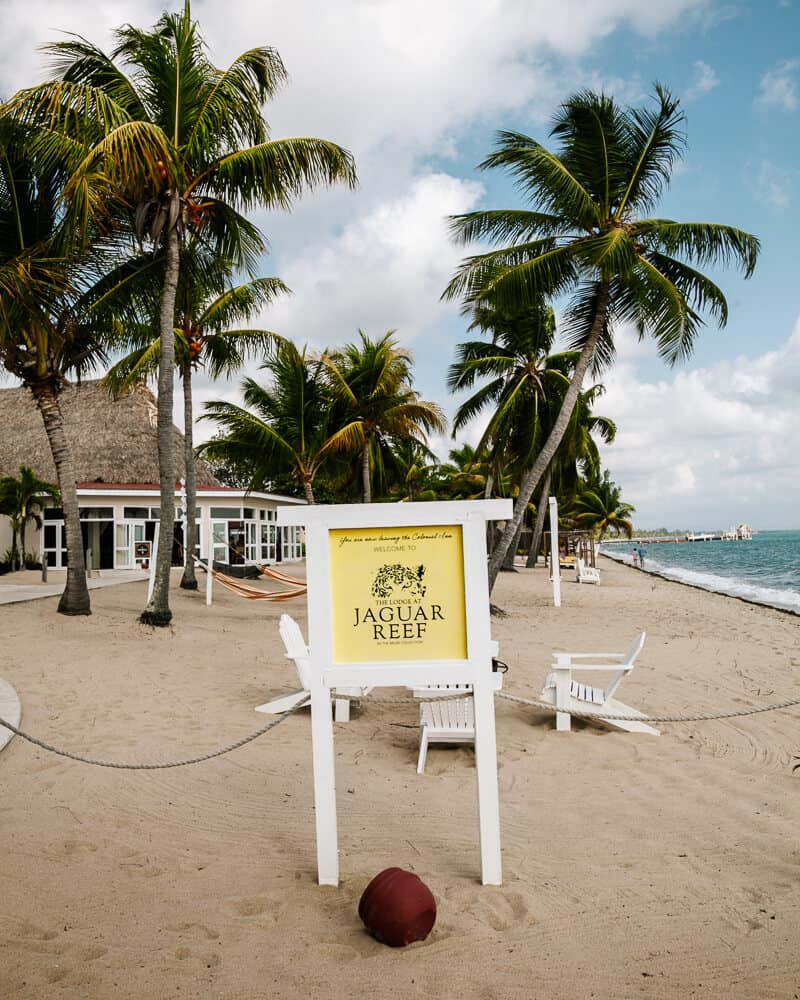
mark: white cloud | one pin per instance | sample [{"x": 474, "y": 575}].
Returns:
[
  {"x": 387, "y": 268},
  {"x": 709, "y": 447},
  {"x": 778, "y": 87},
  {"x": 774, "y": 185},
  {"x": 704, "y": 79}
]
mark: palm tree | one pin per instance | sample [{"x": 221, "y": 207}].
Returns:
[
  {"x": 473, "y": 475},
  {"x": 206, "y": 305},
  {"x": 20, "y": 501},
  {"x": 589, "y": 235},
  {"x": 287, "y": 428},
  {"x": 414, "y": 471},
  {"x": 578, "y": 448},
  {"x": 54, "y": 310},
  {"x": 185, "y": 146},
  {"x": 372, "y": 381},
  {"x": 519, "y": 378},
  {"x": 600, "y": 506}
]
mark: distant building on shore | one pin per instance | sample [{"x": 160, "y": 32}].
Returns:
[{"x": 115, "y": 455}]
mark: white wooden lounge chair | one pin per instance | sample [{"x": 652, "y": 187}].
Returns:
[
  {"x": 568, "y": 694},
  {"x": 297, "y": 650},
  {"x": 586, "y": 574},
  {"x": 444, "y": 719}
]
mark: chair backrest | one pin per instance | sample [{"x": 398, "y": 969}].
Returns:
[
  {"x": 296, "y": 649},
  {"x": 627, "y": 664}
]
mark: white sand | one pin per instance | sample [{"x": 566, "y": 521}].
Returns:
[{"x": 634, "y": 866}]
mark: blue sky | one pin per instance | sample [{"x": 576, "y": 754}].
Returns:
[{"x": 417, "y": 88}]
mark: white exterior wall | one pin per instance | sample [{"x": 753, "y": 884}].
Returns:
[
  {"x": 118, "y": 499},
  {"x": 33, "y": 538}
]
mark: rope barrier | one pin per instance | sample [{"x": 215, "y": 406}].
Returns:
[
  {"x": 158, "y": 766},
  {"x": 456, "y": 696},
  {"x": 546, "y": 706}
]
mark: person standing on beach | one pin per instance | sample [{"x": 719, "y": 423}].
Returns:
[{"x": 642, "y": 554}]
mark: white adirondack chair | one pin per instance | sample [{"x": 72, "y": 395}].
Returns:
[
  {"x": 445, "y": 722},
  {"x": 297, "y": 650},
  {"x": 568, "y": 694},
  {"x": 444, "y": 719},
  {"x": 586, "y": 574}
]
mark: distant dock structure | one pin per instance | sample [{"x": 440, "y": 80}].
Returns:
[{"x": 741, "y": 533}]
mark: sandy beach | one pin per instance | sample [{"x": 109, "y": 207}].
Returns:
[{"x": 634, "y": 866}]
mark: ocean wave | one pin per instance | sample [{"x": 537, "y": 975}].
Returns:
[{"x": 784, "y": 600}]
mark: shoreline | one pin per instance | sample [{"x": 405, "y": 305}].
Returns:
[
  {"x": 698, "y": 586},
  {"x": 201, "y": 881}
]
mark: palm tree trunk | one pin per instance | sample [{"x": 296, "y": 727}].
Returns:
[
  {"x": 157, "y": 611},
  {"x": 75, "y": 599},
  {"x": 508, "y": 562},
  {"x": 14, "y": 549},
  {"x": 366, "y": 484},
  {"x": 309, "y": 491},
  {"x": 531, "y": 479},
  {"x": 189, "y": 580},
  {"x": 541, "y": 513}
]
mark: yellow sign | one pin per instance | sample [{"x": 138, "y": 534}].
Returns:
[{"x": 397, "y": 594}]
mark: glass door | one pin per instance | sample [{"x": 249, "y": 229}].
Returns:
[
  {"x": 54, "y": 547},
  {"x": 219, "y": 541},
  {"x": 251, "y": 541},
  {"x": 122, "y": 547}
]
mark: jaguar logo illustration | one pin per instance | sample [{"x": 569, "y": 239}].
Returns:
[{"x": 394, "y": 577}]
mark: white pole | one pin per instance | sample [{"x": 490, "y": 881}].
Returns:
[
  {"x": 153, "y": 549},
  {"x": 183, "y": 521},
  {"x": 209, "y": 578},
  {"x": 555, "y": 562}
]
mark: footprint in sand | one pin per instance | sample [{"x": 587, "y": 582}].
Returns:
[
  {"x": 208, "y": 932},
  {"x": 504, "y": 911},
  {"x": 92, "y": 953}
]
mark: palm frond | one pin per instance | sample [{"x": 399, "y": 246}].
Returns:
[
  {"x": 703, "y": 242},
  {"x": 656, "y": 139},
  {"x": 273, "y": 174},
  {"x": 501, "y": 225},
  {"x": 544, "y": 177}
]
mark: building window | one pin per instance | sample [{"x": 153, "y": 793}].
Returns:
[
  {"x": 97, "y": 513},
  {"x": 136, "y": 513},
  {"x": 231, "y": 513}
]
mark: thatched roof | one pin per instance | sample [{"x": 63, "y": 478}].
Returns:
[{"x": 112, "y": 441}]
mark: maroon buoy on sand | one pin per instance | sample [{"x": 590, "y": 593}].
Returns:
[{"x": 397, "y": 908}]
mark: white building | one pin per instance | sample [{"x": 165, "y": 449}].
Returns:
[{"x": 115, "y": 456}]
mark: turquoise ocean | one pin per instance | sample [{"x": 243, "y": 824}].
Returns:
[{"x": 764, "y": 570}]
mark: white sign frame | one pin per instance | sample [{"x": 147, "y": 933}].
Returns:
[
  {"x": 555, "y": 553},
  {"x": 476, "y": 669}
]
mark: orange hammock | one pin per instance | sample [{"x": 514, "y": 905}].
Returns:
[
  {"x": 275, "y": 574},
  {"x": 253, "y": 593}
]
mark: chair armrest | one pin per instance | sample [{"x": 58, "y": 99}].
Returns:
[
  {"x": 618, "y": 657},
  {"x": 565, "y": 662}
]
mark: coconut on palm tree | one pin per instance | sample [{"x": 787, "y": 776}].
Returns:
[
  {"x": 589, "y": 235},
  {"x": 184, "y": 145},
  {"x": 372, "y": 381}
]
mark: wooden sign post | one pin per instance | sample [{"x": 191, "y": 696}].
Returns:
[{"x": 398, "y": 595}]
